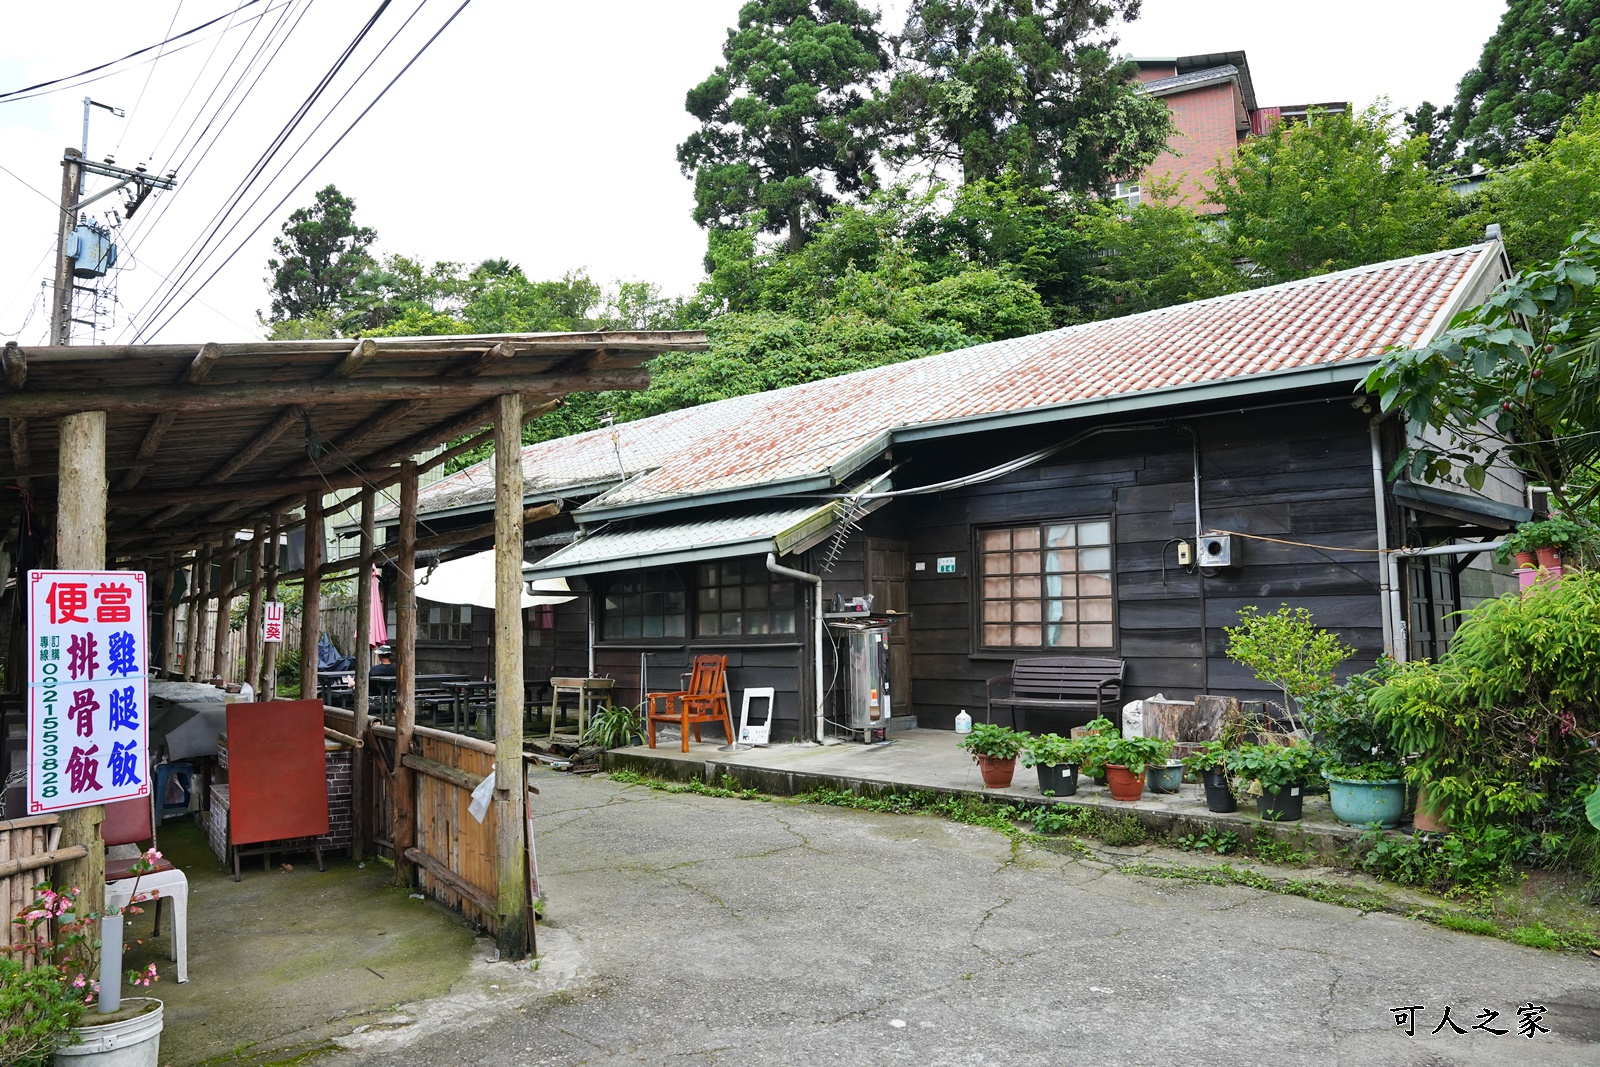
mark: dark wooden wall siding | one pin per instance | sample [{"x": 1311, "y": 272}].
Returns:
[
  {"x": 779, "y": 666},
  {"x": 1300, "y": 474}
]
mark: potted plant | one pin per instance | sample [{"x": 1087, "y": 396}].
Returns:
[
  {"x": 1098, "y": 736},
  {"x": 1288, "y": 650},
  {"x": 62, "y": 930},
  {"x": 994, "y": 749},
  {"x": 1056, "y": 758},
  {"x": 1359, "y": 761},
  {"x": 1278, "y": 773},
  {"x": 1208, "y": 762},
  {"x": 1546, "y": 540},
  {"x": 1126, "y": 759},
  {"x": 38, "y": 1009}
]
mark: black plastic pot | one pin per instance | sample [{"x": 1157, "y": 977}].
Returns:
[
  {"x": 1282, "y": 806},
  {"x": 1060, "y": 780},
  {"x": 1219, "y": 796}
]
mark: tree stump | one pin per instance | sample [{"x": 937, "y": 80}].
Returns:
[
  {"x": 1170, "y": 720},
  {"x": 1210, "y": 713}
]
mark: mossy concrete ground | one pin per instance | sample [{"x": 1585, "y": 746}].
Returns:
[{"x": 285, "y": 960}]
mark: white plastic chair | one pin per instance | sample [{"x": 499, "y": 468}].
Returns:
[{"x": 130, "y": 822}]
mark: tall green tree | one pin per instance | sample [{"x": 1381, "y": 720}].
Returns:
[
  {"x": 1534, "y": 69},
  {"x": 1337, "y": 191},
  {"x": 323, "y": 253},
  {"x": 786, "y": 127},
  {"x": 1514, "y": 380},
  {"x": 1551, "y": 191},
  {"x": 1027, "y": 86},
  {"x": 1159, "y": 254}
]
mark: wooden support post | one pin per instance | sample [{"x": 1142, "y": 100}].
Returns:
[
  {"x": 252, "y": 613},
  {"x": 201, "y": 575},
  {"x": 511, "y": 844},
  {"x": 311, "y": 598},
  {"x": 401, "y": 786},
  {"x": 268, "y": 689},
  {"x": 169, "y": 616},
  {"x": 363, "y": 654},
  {"x": 219, "y": 643},
  {"x": 81, "y": 546}
]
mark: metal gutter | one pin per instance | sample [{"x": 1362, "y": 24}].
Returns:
[
  {"x": 1227, "y": 389},
  {"x": 806, "y": 484},
  {"x": 744, "y": 547},
  {"x": 815, "y": 581}
]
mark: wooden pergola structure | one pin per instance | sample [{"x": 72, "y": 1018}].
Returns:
[{"x": 155, "y": 458}]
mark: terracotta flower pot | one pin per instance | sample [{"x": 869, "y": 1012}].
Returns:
[
  {"x": 1527, "y": 560},
  {"x": 1549, "y": 557},
  {"x": 1428, "y": 818},
  {"x": 1124, "y": 784},
  {"x": 996, "y": 772}
]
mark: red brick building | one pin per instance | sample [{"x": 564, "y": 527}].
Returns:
[{"x": 1213, "y": 104}]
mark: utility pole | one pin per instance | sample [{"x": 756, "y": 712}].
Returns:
[
  {"x": 61, "y": 305},
  {"x": 75, "y": 168}
]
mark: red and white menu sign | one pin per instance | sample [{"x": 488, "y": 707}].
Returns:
[{"x": 88, "y": 688}]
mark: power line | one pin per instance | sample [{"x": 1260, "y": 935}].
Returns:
[
  {"x": 381, "y": 94},
  {"x": 147, "y": 221},
  {"x": 48, "y": 198},
  {"x": 133, "y": 112},
  {"x": 130, "y": 55},
  {"x": 199, "y": 264},
  {"x": 192, "y": 254}
]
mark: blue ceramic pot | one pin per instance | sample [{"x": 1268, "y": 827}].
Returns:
[
  {"x": 1360, "y": 803},
  {"x": 1164, "y": 779}
]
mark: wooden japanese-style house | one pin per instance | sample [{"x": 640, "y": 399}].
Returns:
[{"x": 1023, "y": 498}]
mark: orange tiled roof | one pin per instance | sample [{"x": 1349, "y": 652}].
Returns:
[{"x": 829, "y": 427}]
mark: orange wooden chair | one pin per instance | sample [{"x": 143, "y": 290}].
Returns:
[{"x": 706, "y": 700}]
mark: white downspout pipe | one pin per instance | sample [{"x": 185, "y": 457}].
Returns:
[
  {"x": 788, "y": 572},
  {"x": 1388, "y": 569}
]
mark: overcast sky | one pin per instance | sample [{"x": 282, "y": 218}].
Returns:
[{"x": 541, "y": 132}]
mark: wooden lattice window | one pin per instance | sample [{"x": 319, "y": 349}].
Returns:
[
  {"x": 1047, "y": 586},
  {"x": 645, "y": 604}
]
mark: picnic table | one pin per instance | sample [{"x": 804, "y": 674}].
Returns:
[{"x": 468, "y": 695}]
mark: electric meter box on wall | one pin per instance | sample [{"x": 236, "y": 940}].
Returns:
[{"x": 1216, "y": 550}]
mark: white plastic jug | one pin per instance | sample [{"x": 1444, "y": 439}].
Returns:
[{"x": 963, "y": 722}]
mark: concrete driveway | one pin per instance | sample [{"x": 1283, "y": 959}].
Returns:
[{"x": 685, "y": 929}]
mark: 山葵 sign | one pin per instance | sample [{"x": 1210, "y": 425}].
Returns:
[
  {"x": 272, "y": 623},
  {"x": 88, "y": 688}
]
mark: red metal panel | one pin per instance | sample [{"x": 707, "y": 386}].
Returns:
[{"x": 277, "y": 771}]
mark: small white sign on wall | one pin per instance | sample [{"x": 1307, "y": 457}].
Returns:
[{"x": 947, "y": 564}]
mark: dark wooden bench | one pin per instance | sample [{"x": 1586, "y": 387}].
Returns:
[{"x": 1082, "y": 687}]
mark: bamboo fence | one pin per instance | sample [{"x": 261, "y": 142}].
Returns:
[{"x": 27, "y": 850}]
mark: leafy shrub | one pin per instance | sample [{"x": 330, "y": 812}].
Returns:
[
  {"x": 1501, "y": 724},
  {"x": 1135, "y": 753},
  {"x": 1471, "y": 860},
  {"x": 38, "y": 1009},
  {"x": 1349, "y": 739},
  {"x": 1274, "y": 767},
  {"x": 1286, "y": 649},
  {"x": 993, "y": 740},
  {"x": 614, "y": 727},
  {"x": 1050, "y": 750},
  {"x": 288, "y": 668}
]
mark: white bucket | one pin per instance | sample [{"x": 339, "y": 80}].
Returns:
[{"x": 134, "y": 1042}]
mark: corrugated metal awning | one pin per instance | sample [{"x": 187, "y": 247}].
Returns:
[{"x": 782, "y": 531}]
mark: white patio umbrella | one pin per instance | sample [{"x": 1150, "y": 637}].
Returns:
[{"x": 470, "y": 580}]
